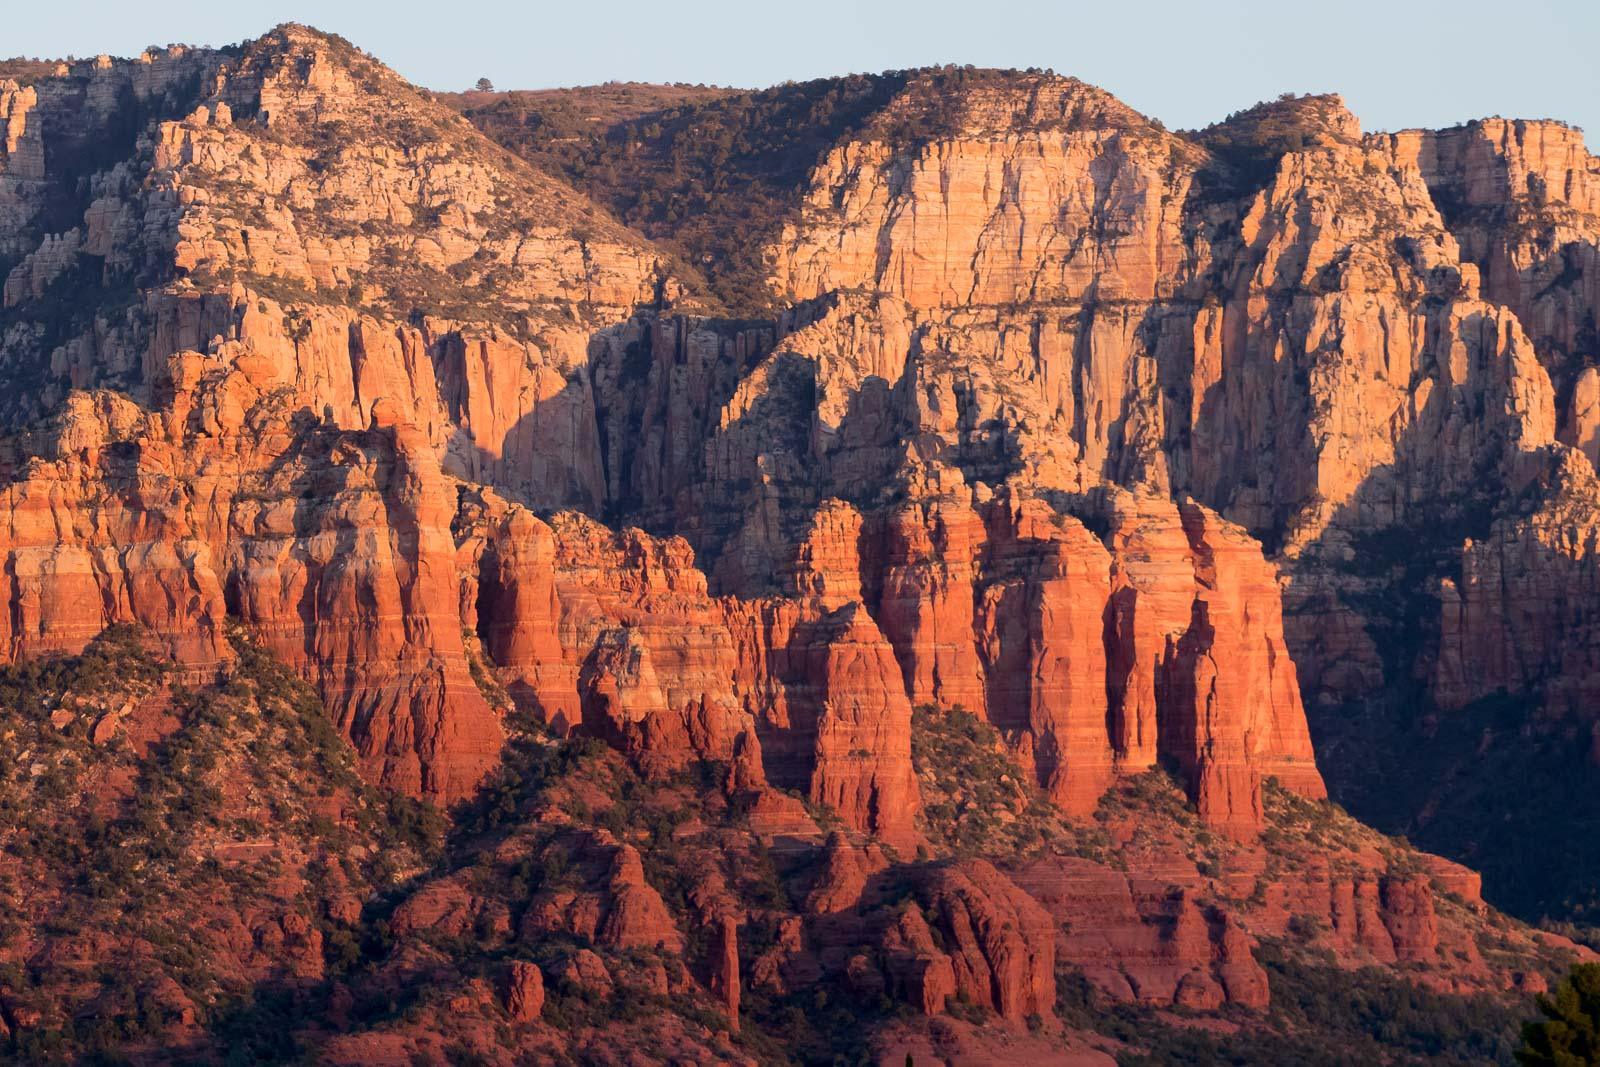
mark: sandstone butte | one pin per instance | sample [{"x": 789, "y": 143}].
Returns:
[{"x": 1081, "y": 426}]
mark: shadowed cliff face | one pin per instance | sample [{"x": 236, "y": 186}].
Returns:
[
  {"x": 1059, "y": 444},
  {"x": 1346, "y": 344}
]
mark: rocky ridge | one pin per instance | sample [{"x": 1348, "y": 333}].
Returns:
[{"x": 1068, "y": 425}]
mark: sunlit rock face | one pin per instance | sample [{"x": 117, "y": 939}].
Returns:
[{"x": 1086, "y": 452}]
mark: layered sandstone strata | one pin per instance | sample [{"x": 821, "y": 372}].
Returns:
[
  {"x": 335, "y": 547},
  {"x": 1054, "y": 395},
  {"x": 944, "y": 476},
  {"x": 1024, "y": 617}
]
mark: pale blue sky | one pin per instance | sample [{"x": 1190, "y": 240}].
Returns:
[{"x": 1398, "y": 63}]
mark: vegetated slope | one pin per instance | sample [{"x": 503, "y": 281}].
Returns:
[
  {"x": 1248, "y": 145},
  {"x": 715, "y": 180},
  {"x": 27, "y": 70},
  {"x": 534, "y": 122},
  {"x": 716, "y": 175},
  {"x": 170, "y": 850},
  {"x": 581, "y": 909}
]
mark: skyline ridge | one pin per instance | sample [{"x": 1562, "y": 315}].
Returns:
[{"x": 1398, "y": 68}]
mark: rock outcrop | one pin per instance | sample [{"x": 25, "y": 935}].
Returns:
[
  {"x": 637, "y": 917},
  {"x": 525, "y": 991},
  {"x": 1513, "y": 611},
  {"x": 334, "y": 547},
  {"x": 1144, "y": 941}
]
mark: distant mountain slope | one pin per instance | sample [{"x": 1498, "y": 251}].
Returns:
[{"x": 534, "y": 120}]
